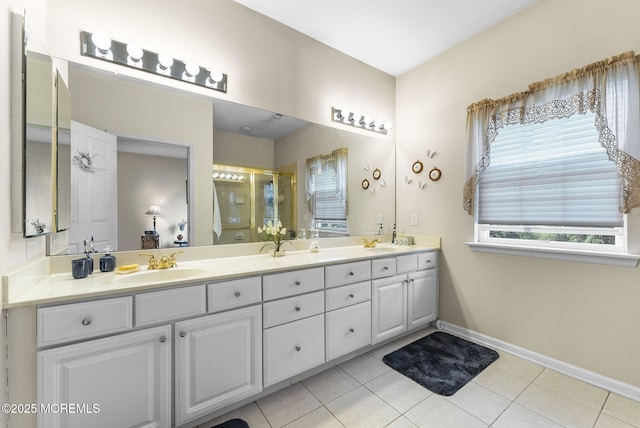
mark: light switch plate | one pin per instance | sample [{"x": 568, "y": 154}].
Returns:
[{"x": 414, "y": 219}]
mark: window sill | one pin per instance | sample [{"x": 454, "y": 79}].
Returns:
[{"x": 613, "y": 259}]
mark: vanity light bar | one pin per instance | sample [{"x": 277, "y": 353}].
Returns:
[
  {"x": 342, "y": 115},
  {"x": 100, "y": 46}
]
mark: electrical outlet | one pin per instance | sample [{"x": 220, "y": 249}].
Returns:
[
  {"x": 414, "y": 219},
  {"x": 378, "y": 218},
  {"x": 32, "y": 248}
]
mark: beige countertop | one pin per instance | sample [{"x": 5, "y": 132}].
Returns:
[{"x": 35, "y": 284}]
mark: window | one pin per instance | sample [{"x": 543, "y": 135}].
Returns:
[
  {"x": 327, "y": 192},
  {"x": 552, "y": 167},
  {"x": 551, "y": 184}
]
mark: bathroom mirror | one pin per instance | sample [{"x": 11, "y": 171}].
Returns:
[
  {"x": 218, "y": 132},
  {"x": 38, "y": 145},
  {"x": 62, "y": 153}
]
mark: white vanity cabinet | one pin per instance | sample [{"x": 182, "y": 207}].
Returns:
[
  {"x": 389, "y": 307},
  {"x": 217, "y": 361},
  {"x": 294, "y": 333},
  {"x": 173, "y": 355},
  {"x": 128, "y": 376},
  {"x": 408, "y": 300}
]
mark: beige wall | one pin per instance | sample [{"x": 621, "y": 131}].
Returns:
[
  {"x": 586, "y": 315},
  {"x": 243, "y": 150}
]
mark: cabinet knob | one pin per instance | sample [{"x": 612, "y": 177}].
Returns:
[
  {"x": 237, "y": 294},
  {"x": 86, "y": 320},
  {"x": 350, "y": 273},
  {"x": 297, "y": 308},
  {"x": 183, "y": 333},
  {"x": 428, "y": 261},
  {"x": 351, "y": 330},
  {"x": 298, "y": 348},
  {"x": 297, "y": 283},
  {"x": 385, "y": 268},
  {"x": 351, "y": 295},
  {"x": 163, "y": 339}
]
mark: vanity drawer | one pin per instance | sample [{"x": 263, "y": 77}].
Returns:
[
  {"x": 293, "y": 308},
  {"x": 81, "y": 321},
  {"x": 233, "y": 294},
  {"x": 427, "y": 260},
  {"x": 292, "y": 348},
  {"x": 347, "y": 295},
  {"x": 407, "y": 263},
  {"x": 291, "y": 283},
  {"x": 348, "y": 272},
  {"x": 383, "y": 267},
  {"x": 168, "y": 305},
  {"x": 348, "y": 329}
]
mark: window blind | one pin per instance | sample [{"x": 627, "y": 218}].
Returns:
[
  {"x": 551, "y": 174},
  {"x": 327, "y": 204}
]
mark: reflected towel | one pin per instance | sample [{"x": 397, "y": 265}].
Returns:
[{"x": 217, "y": 224}]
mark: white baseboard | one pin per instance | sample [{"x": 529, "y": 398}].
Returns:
[{"x": 615, "y": 386}]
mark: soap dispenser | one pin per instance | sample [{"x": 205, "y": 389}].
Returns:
[{"x": 107, "y": 262}]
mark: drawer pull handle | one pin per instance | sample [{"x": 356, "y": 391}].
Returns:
[
  {"x": 297, "y": 283},
  {"x": 86, "y": 321},
  {"x": 351, "y": 330},
  {"x": 298, "y": 348},
  {"x": 297, "y": 308},
  {"x": 183, "y": 333},
  {"x": 163, "y": 339},
  {"x": 350, "y": 273},
  {"x": 351, "y": 295},
  {"x": 237, "y": 294},
  {"x": 385, "y": 268},
  {"x": 428, "y": 261}
]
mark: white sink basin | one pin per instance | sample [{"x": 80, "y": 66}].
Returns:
[
  {"x": 160, "y": 275},
  {"x": 382, "y": 250}
]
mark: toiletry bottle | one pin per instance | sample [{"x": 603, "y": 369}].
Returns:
[
  {"x": 90, "y": 260},
  {"x": 393, "y": 236},
  {"x": 107, "y": 262}
]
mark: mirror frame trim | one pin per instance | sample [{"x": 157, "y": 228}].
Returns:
[{"x": 18, "y": 113}]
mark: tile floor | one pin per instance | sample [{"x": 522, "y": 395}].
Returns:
[{"x": 510, "y": 393}]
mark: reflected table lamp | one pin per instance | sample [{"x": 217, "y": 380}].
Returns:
[{"x": 151, "y": 239}]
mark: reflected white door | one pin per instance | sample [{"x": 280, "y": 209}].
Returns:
[{"x": 94, "y": 201}]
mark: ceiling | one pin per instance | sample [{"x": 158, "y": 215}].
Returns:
[{"x": 391, "y": 35}]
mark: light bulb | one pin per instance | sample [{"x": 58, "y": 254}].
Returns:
[
  {"x": 192, "y": 68},
  {"x": 102, "y": 42},
  {"x": 165, "y": 61},
  {"x": 215, "y": 76}
]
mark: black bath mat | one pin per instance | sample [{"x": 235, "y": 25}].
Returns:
[
  {"x": 441, "y": 362},
  {"x": 232, "y": 423}
]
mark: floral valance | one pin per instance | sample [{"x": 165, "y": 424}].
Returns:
[{"x": 598, "y": 88}]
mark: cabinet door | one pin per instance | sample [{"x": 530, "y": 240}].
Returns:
[
  {"x": 119, "y": 381},
  {"x": 389, "y": 307},
  {"x": 218, "y": 361},
  {"x": 422, "y": 298}
]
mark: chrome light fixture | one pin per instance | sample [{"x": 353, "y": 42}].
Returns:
[
  {"x": 101, "y": 46},
  {"x": 345, "y": 116}
]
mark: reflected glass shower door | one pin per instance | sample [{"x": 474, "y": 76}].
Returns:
[{"x": 234, "y": 198}]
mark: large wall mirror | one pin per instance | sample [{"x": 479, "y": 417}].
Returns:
[
  {"x": 150, "y": 152},
  {"x": 33, "y": 138}
]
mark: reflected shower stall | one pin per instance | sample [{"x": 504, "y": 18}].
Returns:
[{"x": 247, "y": 198}]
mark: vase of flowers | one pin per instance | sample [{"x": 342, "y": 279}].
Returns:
[{"x": 273, "y": 234}]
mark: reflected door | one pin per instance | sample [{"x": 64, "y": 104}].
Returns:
[{"x": 94, "y": 201}]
